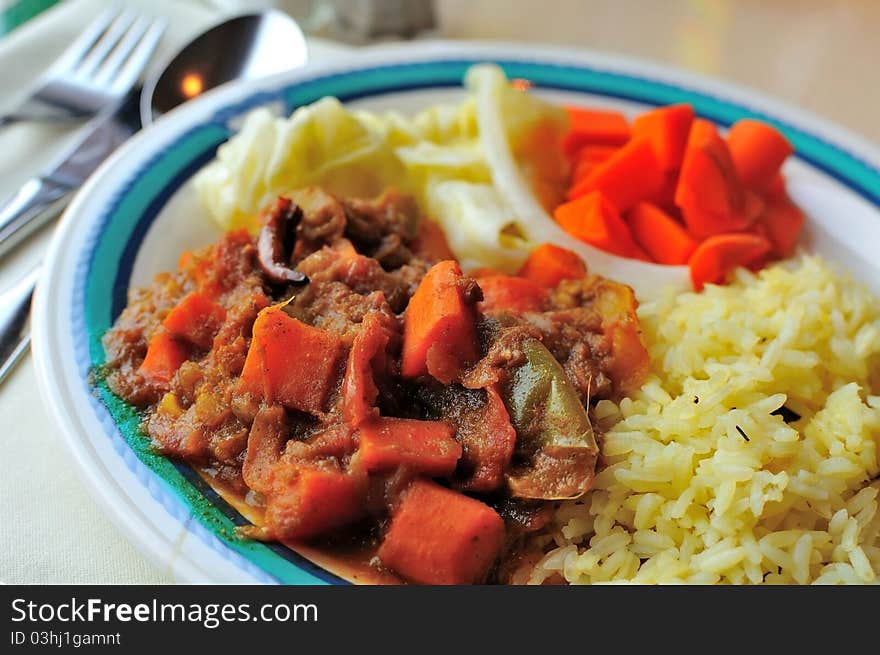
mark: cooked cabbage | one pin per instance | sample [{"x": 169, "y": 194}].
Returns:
[{"x": 487, "y": 169}]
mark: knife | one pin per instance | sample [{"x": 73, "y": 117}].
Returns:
[
  {"x": 40, "y": 200},
  {"x": 42, "y": 197}
]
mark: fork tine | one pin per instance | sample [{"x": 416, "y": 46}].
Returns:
[
  {"x": 78, "y": 49},
  {"x": 137, "y": 61},
  {"x": 105, "y": 73},
  {"x": 99, "y": 51}
]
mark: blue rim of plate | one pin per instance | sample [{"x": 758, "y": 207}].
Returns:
[{"x": 105, "y": 266}]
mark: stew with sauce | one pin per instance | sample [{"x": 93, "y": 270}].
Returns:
[{"x": 340, "y": 374}]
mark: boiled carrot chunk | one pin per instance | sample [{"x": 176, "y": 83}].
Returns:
[
  {"x": 776, "y": 188},
  {"x": 588, "y": 158},
  {"x": 164, "y": 356},
  {"x": 758, "y": 150},
  {"x": 439, "y": 536},
  {"x": 604, "y": 127},
  {"x": 716, "y": 257},
  {"x": 666, "y": 129},
  {"x": 549, "y": 264},
  {"x": 709, "y": 192},
  {"x": 308, "y": 501},
  {"x": 439, "y": 334},
  {"x": 291, "y": 363},
  {"x": 663, "y": 237},
  {"x": 359, "y": 390},
  {"x": 595, "y": 220},
  {"x": 783, "y": 222},
  {"x": 483, "y": 271},
  {"x": 428, "y": 447},
  {"x": 430, "y": 242},
  {"x": 631, "y": 174},
  {"x": 196, "y": 319},
  {"x": 512, "y": 294}
]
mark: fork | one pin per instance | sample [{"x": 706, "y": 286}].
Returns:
[{"x": 94, "y": 72}]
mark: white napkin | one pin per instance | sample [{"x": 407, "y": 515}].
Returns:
[{"x": 52, "y": 531}]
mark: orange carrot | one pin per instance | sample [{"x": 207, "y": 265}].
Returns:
[
  {"x": 594, "y": 220},
  {"x": 758, "y": 150},
  {"x": 776, "y": 188},
  {"x": 717, "y": 256},
  {"x": 665, "y": 196},
  {"x": 439, "y": 336},
  {"x": 513, "y": 294},
  {"x": 290, "y": 362},
  {"x": 548, "y": 265},
  {"x": 430, "y": 242},
  {"x": 164, "y": 356},
  {"x": 359, "y": 389},
  {"x": 631, "y": 174},
  {"x": 602, "y": 127},
  {"x": 665, "y": 239},
  {"x": 667, "y": 129},
  {"x": 306, "y": 501},
  {"x": 483, "y": 271},
  {"x": 710, "y": 196},
  {"x": 196, "y": 319},
  {"x": 439, "y": 536},
  {"x": 782, "y": 221},
  {"x": 428, "y": 447},
  {"x": 588, "y": 158}
]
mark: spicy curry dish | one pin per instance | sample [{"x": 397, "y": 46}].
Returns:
[
  {"x": 457, "y": 348},
  {"x": 340, "y": 372}
]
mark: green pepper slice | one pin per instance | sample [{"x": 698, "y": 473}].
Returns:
[{"x": 556, "y": 447}]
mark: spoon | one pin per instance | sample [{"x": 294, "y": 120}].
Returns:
[
  {"x": 248, "y": 46},
  {"x": 244, "y": 47}
]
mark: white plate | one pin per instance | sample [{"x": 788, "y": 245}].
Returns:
[{"x": 138, "y": 213}]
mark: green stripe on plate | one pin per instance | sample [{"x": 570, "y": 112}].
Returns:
[{"x": 21, "y": 12}]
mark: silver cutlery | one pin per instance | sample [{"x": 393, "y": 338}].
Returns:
[
  {"x": 95, "y": 72},
  {"x": 36, "y": 202},
  {"x": 15, "y": 337},
  {"x": 250, "y": 46}
]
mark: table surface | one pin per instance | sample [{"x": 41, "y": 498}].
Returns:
[{"x": 818, "y": 54}]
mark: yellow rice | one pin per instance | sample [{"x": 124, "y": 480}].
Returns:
[{"x": 704, "y": 484}]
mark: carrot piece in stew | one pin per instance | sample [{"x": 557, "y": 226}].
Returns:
[
  {"x": 782, "y": 221},
  {"x": 548, "y": 265},
  {"x": 709, "y": 192},
  {"x": 430, "y": 242},
  {"x": 359, "y": 389},
  {"x": 428, "y": 447},
  {"x": 196, "y": 319},
  {"x": 164, "y": 356},
  {"x": 439, "y": 336},
  {"x": 308, "y": 501},
  {"x": 664, "y": 238},
  {"x": 717, "y": 256},
  {"x": 594, "y": 220},
  {"x": 666, "y": 128},
  {"x": 631, "y": 174},
  {"x": 513, "y": 294},
  {"x": 439, "y": 536},
  {"x": 290, "y": 362},
  {"x": 603, "y": 127},
  {"x": 758, "y": 150}
]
